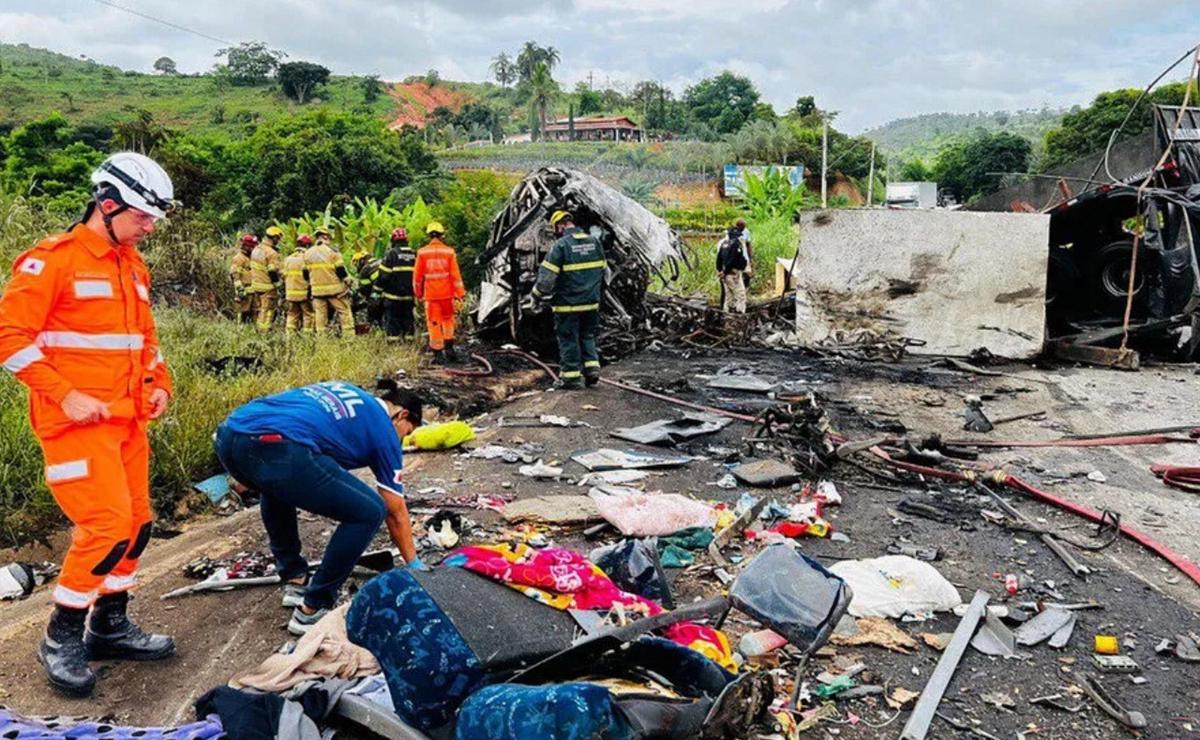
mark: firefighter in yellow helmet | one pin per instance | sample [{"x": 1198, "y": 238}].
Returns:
[
  {"x": 329, "y": 283},
  {"x": 264, "y": 277},
  {"x": 239, "y": 274},
  {"x": 571, "y": 280},
  {"x": 296, "y": 290}
]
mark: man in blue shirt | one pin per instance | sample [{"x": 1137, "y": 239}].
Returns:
[{"x": 295, "y": 448}]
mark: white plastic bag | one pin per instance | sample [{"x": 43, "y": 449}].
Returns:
[{"x": 895, "y": 586}]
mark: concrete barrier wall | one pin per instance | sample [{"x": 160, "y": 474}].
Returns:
[{"x": 956, "y": 280}]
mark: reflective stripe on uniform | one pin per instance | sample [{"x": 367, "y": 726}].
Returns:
[
  {"x": 63, "y": 472},
  {"x": 550, "y": 266},
  {"x": 571, "y": 374},
  {"x": 391, "y": 297},
  {"x": 585, "y": 266},
  {"x": 158, "y": 359},
  {"x": 93, "y": 289},
  {"x": 79, "y": 340},
  {"x": 592, "y": 363},
  {"x": 73, "y": 599},
  {"x": 261, "y": 287},
  {"x": 382, "y": 268},
  {"x": 119, "y": 583},
  {"x": 577, "y": 309},
  {"x": 23, "y": 358},
  {"x": 297, "y": 295}
]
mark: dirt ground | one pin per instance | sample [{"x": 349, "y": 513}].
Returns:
[{"x": 1143, "y": 599}]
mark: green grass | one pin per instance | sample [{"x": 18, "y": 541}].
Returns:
[
  {"x": 181, "y": 442},
  {"x": 36, "y": 83}
]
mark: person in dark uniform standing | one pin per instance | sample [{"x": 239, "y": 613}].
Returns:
[
  {"x": 570, "y": 279},
  {"x": 394, "y": 283}
]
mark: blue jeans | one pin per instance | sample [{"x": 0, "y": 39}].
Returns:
[{"x": 290, "y": 476}]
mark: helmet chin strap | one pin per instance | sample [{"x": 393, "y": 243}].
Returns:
[{"x": 108, "y": 219}]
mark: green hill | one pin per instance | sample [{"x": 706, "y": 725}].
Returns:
[
  {"x": 36, "y": 82},
  {"x": 922, "y": 136}
]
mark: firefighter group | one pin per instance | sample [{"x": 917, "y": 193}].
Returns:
[{"x": 308, "y": 283}]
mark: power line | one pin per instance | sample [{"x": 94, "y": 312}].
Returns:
[{"x": 167, "y": 23}]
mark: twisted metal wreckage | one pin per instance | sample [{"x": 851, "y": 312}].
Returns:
[{"x": 638, "y": 245}]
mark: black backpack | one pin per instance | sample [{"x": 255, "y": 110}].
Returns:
[{"x": 732, "y": 257}]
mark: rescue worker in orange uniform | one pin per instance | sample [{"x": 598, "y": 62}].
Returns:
[
  {"x": 239, "y": 273},
  {"x": 264, "y": 277},
  {"x": 296, "y": 292},
  {"x": 76, "y": 328},
  {"x": 438, "y": 283}
]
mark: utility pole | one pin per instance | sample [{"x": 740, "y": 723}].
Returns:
[
  {"x": 824, "y": 162},
  {"x": 871, "y": 179}
]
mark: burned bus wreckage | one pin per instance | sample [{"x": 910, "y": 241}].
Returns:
[{"x": 639, "y": 247}]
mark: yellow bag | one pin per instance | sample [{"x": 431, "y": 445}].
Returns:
[{"x": 440, "y": 436}]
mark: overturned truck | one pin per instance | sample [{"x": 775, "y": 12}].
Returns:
[
  {"x": 639, "y": 247},
  {"x": 1132, "y": 210}
]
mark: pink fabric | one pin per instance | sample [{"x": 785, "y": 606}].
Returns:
[{"x": 555, "y": 570}]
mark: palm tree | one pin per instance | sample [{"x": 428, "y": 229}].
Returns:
[
  {"x": 504, "y": 69},
  {"x": 542, "y": 88},
  {"x": 551, "y": 57},
  {"x": 527, "y": 59}
]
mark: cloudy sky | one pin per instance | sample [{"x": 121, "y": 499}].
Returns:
[{"x": 871, "y": 60}]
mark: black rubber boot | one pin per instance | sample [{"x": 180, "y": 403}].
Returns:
[
  {"x": 439, "y": 357},
  {"x": 64, "y": 655},
  {"x": 591, "y": 379},
  {"x": 111, "y": 636},
  {"x": 451, "y": 355}
]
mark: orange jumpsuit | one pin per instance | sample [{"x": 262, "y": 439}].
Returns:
[
  {"x": 76, "y": 316},
  {"x": 437, "y": 282}
]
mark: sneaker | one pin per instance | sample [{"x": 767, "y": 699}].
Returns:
[
  {"x": 301, "y": 623},
  {"x": 293, "y": 594}
]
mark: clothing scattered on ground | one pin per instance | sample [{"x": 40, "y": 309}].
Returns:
[
  {"x": 429, "y": 668},
  {"x": 568, "y": 711},
  {"x": 565, "y": 579},
  {"x": 324, "y": 652}
]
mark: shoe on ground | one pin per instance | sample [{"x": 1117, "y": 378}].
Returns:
[
  {"x": 591, "y": 380},
  {"x": 66, "y": 664},
  {"x": 293, "y": 594},
  {"x": 301, "y": 623},
  {"x": 575, "y": 384}
]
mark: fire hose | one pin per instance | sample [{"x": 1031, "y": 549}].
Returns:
[
  {"x": 471, "y": 372},
  {"x": 1178, "y": 476}
]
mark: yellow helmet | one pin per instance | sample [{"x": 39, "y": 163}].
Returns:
[
  {"x": 274, "y": 231},
  {"x": 435, "y": 227},
  {"x": 559, "y": 216}
]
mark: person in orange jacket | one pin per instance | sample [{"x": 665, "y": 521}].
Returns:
[
  {"x": 438, "y": 283},
  {"x": 76, "y": 328}
]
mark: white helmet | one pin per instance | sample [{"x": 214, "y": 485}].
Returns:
[{"x": 140, "y": 181}]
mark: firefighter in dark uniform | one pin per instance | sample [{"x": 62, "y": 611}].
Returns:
[
  {"x": 366, "y": 296},
  {"x": 571, "y": 278},
  {"x": 394, "y": 283}
]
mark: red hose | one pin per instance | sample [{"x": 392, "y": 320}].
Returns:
[
  {"x": 471, "y": 373},
  {"x": 1178, "y": 476},
  {"x": 1181, "y": 562},
  {"x": 1145, "y": 439}
]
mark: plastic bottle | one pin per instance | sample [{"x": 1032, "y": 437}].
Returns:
[{"x": 760, "y": 643}]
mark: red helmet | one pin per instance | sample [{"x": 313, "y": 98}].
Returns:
[
  {"x": 304, "y": 240},
  {"x": 400, "y": 234},
  {"x": 249, "y": 240}
]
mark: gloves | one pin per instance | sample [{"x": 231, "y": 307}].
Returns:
[{"x": 418, "y": 564}]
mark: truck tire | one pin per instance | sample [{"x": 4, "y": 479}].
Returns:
[{"x": 1112, "y": 277}]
